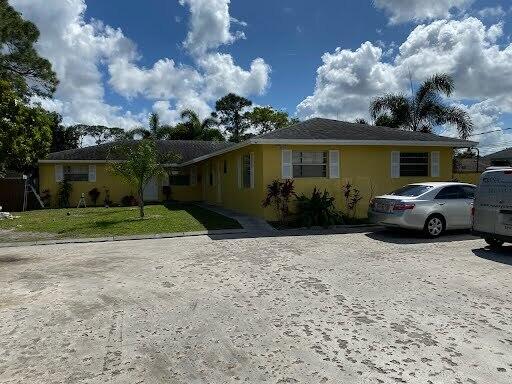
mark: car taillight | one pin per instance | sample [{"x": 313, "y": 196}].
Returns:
[{"x": 403, "y": 206}]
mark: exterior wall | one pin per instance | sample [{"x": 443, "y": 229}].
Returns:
[
  {"x": 247, "y": 200},
  {"x": 367, "y": 168},
  {"x": 104, "y": 180}
]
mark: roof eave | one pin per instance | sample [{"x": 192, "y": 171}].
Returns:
[{"x": 433, "y": 143}]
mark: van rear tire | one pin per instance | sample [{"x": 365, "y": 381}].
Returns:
[{"x": 493, "y": 242}]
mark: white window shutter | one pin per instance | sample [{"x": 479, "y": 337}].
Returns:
[
  {"x": 395, "y": 164},
  {"x": 59, "y": 173},
  {"x": 434, "y": 164},
  {"x": 239, "y": 171},
  {"x": 92, "y": 173},
  {"x": 193, "y": 175},
  {"x": 251, "y": 157},
  {"x": 286, "y": 164},
  {"x": 334, "y": 164}
]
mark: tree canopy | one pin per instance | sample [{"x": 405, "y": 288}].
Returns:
[
  {"x": 20, "y": 64},
  {"x": 192, "y": 128},
  {"x": 267, "y": 119},
  {"x": 423, "y": 110},
  {"x": 229, "y": 110},
  {"x": 25, "y": 131},
  {"x": 142, "y": 163}
]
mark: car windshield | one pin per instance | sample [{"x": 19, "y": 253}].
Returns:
[{"x": 412, "y": 190}]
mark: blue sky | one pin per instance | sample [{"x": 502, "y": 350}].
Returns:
[{"x": 120, "y": 60}]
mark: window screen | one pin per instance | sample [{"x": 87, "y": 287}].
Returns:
[
  {"x": 309, "y": 164},
  {"x": 414, "y": 164},
  {"x": 76, "y": 172}
]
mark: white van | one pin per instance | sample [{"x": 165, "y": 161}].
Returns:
[{"x": 492, "y": 209}]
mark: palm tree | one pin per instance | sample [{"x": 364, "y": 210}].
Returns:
[
  {"x": 192, "y": 128},
  {"x": 424, "y": 109},
  {"x": 155, "y": 131}
]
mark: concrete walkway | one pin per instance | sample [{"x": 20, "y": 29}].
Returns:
[{"x": 251, "y": 224}]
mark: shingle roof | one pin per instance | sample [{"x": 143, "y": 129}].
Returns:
[
  {"x": 504, "y": 154},
  {"x": 187, "y": 149},
  {"x": 326, "y": 129}
]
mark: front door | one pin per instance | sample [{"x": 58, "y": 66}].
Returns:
[{"x": 151, "y": 190}]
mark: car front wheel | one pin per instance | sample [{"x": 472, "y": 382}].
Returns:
[
  {"x": 434, "y": 226},
  {"x": 493, "y": 243}
]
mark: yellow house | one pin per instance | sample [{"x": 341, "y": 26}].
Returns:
[{"x": 315, "y": 153}]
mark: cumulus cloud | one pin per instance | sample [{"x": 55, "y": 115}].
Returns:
[
  {"x": 75, "y": 49},
  {"x": 78, "y": 48},
  {"x": 466, "y": 49},
  {"x": 401, "y": 11},
  {"x": 346, "y": 82},
  {"x": 209, "y": 25}
]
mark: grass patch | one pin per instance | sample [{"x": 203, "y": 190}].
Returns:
[{"x": 99, "y": 221}]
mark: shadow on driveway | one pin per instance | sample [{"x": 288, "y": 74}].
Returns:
[
  {"x": 397, "y": 236},
  {"x": 503, "y": 255}
]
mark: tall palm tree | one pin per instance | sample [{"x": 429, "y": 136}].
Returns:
[
  {"x": 192, "y": 128},
  {"x": 155, "y": 131},
  {"x": 424, "y": 109}
]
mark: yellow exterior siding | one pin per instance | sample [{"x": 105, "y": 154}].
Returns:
[
  {"x": 104, "y": 180},
  {"x": 367, "y": 168},
  {"x": 228, "y": 193}
]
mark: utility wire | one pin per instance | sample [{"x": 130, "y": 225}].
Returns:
[{"x": 485, "y": 133}]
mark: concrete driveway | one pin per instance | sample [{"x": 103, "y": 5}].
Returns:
[{"x": 354, "y": 308}]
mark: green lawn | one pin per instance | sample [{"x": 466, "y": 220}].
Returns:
[{"x": 98, "y": 222}]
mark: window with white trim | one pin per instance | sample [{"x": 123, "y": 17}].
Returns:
[
  {"x": 414, "y": 164},
  {"x": 76, "y": 172},
  {"x": 309, "y": 164}
]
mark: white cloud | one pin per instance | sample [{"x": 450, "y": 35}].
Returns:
[
  {"x": 492, "y": 12},
  {"x": 77, "y": 48},
  {"x": 466, "y": 49},
  {"x": 209, "y": 25},
  {"x": 346, "y": 82},
  {"x": 401, "y": 11}
]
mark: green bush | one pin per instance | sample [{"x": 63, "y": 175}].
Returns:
[
  {"x": 318, "y": 210},
  {"x": 94, "y": 194},
  {"x": 64, "y": 193}
]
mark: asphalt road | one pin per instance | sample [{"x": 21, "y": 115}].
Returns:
[{"x": 355, "y": 308}]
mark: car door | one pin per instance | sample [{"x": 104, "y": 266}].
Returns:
[{"x": 451, "y": 204}]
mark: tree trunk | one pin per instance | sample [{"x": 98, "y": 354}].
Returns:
[{"x": 141, "y": 203}]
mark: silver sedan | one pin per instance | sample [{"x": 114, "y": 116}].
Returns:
[{"x": 430, "y": 207}]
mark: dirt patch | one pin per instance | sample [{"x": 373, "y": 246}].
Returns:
[{"x": 10, "y": 235}]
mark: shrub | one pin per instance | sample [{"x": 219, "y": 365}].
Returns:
[
  {"x": 319, "y": 209},
  {"x": 94, "y": 194},
  {"x": 279, "y": 194},
  {"x": 129, "y": 201},
  {"x": 46, "y": 197},
  {"x": 352, "y": 198},
  {"x": 64, "y": 193}
]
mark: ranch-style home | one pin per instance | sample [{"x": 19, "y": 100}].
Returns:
[{"x": 317, "y": 152}]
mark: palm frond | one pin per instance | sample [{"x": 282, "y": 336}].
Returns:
[
  {"x": 440, "y": 82},
  {"x": 459, "y": 118}
]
